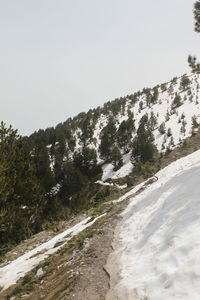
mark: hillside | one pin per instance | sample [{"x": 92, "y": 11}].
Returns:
[
  {"x": 59, "y": 265},
  {"x": 72, "y": 181},
  {"x": 78, "y": 164},
  {"x": 107, "y": 142},
  {"x": 172, "y": 111}
]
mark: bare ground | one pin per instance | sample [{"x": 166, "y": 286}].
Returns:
[
  {"x": 75, "y": 272},
  {"x": 93, "y": 283}
]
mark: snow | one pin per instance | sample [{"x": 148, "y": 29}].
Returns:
[
  {"x": 54, "y": 191},
  {"x": 18, "y": 268},
  {"x": 121, "y": 187},
  {"x": 125, "y": 170},
  {"x": 157, "y": 243},
  {"x": 107, "y": 171},
  {"x": 130, "y": 193}
]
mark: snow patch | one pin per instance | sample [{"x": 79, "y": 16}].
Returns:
[
  {"x": 125, "y": 170},
  {"x": 18, "y": 268}
]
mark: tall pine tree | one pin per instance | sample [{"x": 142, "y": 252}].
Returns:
[{"x": 21, "y": 199}]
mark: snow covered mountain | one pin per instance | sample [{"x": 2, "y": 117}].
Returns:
[
  {"x": 174, "y": 122},
  {"x": 173, "y": 110},
  {"x": 105, "y": 142}
]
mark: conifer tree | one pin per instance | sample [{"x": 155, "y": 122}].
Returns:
[
  {"x": 124, "y": 133},
  {"x": 143, "y": 146},
  {"x": 176, "y": 102},
  {"x": 153, "y": 121},
  {"x": 192, "y": 59},
  {"x": 162, "y": 128},
  {"x": 195, "y": 124},
  {"x": 21, "y": 198},
  {"x": 107, "y": 139},
  {"x": 184, "y": 83},
  {"x": 86, "y": 161}
]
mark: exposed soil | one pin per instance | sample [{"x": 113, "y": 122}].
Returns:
[{"x": 93, "y": 283}]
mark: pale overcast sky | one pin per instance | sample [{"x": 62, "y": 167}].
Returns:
[{"x": 62, "y": 57}]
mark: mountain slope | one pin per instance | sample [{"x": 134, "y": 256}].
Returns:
[
  {"x": 82, "y": 162},
  {"x": 103, "y": 143}
]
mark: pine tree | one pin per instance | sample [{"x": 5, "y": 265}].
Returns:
[
  {"x": 192, "y": 59},
  {"x": 195, "y": 124},
  {"x": 86, "y": 161},
  {"x": 167, "y": 117},
  {"x": 141, "y": 105},
  {"x": 197, "y": 16},
  {"x": 21, "y": 197},
  {"x": 169, "y": 132},
  {"x": 176, "y": 102},
  {"x": 143, "y": 146},
  {"x": 124, "y": 134},
  {"x": 107, "y": 139},
  {"x": 185, "y": 82},
  {"x": 153, "y": 121},
  {"x": 162, "y": 128}
]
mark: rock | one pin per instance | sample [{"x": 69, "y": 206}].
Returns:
[
  {"x": 59, "y": 243},
  {"x": 40, "y": 272}
]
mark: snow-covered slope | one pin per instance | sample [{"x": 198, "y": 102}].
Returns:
[
  {"x": 157, "y": 243},
  {"x": 172, "y": 108},
  {"x": 159, "y": 101}
]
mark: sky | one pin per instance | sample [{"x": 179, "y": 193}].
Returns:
[{"x": 62, "y": 57}]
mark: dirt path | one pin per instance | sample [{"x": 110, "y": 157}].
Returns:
[{"x": 93, "y": 282}]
